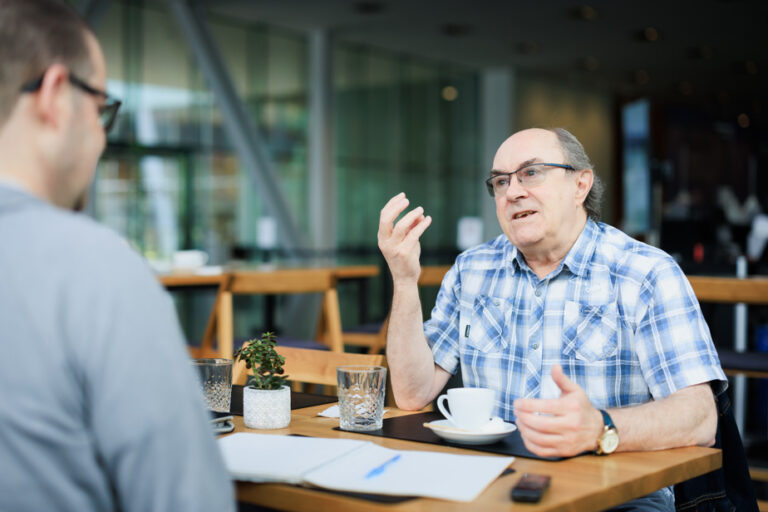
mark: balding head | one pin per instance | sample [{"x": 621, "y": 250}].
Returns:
[{"x": 562, "y": 146}]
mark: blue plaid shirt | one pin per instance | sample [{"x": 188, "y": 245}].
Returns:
[{"x": 617, "y": 314}]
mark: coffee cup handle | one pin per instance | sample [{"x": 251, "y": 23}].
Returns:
[{"x": 440, "y": 400}]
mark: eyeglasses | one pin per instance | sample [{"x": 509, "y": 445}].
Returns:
[
  {"x": 528, "y": 176},
  {"x": 107, "y": 111}
]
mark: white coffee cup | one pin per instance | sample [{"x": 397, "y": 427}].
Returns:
[
  {"x": 471, "y": 408},
  {"x": 189, "y": 259}
]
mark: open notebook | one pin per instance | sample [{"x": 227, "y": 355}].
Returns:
[{"x": 359, "y": 466}]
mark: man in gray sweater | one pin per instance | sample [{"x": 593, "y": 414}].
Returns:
[{"x": 99, "y": 406}]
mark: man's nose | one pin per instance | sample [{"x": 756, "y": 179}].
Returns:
[{"x": 515, "y": 189}]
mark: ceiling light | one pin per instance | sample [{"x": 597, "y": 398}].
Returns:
[
  {"x": 650, "y": 34},
  {"x": 590, "y": 64},
  {"x": 450, "y": 93},
  {"x": 584, "y": 13},
  {"x": 743, "y": 120}
]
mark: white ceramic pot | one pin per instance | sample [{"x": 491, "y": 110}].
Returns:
[{"x": 267, "y": 408}]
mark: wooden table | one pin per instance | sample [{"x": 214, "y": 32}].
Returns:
[{"x": 588, "y": 482}]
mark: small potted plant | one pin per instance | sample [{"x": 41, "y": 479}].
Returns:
[{"x": 266, "y": 397}]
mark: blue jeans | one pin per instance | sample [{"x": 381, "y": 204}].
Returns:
[{"x": 660, "y": 501}]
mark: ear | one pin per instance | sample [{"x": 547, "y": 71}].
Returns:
[
  {"x": 48, "y": 101},
  {"x": 584, "y": 179}
]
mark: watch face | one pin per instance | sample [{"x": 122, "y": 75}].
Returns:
[{"x": 609, "y": 441}]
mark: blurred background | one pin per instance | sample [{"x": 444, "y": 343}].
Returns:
[{"x": 275, "y": 130}]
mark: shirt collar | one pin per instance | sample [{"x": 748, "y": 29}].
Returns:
[
  {"x": 578, "y": 258},
  {"x": 576, "y": 261},
  {"x": 513, "y": 257},
  {"x": 12, "y": 183}
]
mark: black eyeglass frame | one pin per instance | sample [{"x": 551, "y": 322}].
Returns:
[
  {"x": 108, "y": 111},
  {"x": 489, "y": 184}
]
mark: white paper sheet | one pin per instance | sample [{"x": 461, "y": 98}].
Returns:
[
  {"x": 273, "y": 458},
  {"x": 416, "y": 473},
  {"x": 344, "y": 464}
]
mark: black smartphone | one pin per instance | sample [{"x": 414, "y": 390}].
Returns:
[{"x": 530, "y": 488}]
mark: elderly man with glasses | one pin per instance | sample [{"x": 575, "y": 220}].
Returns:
[
  {"x": 592, "y": 341},
  {"x": 100, "y": 408}
]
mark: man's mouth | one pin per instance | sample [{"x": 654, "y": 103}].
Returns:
[{"x": 522, "y": 215}]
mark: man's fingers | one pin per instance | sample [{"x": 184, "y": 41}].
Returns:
[
  {"x": 404, "y": 224},
  {"x": 541, "y": 445},
  {"x": 548, "y": 444},
  {"x": 538, "y": 405},
  {"x": 565, "y": 384},
  {"x": 544, "y": 439},
  {"x": 541, "y": 423},
  {"x": 389, "y": 213},
  {"x": 416, "y": 231}
]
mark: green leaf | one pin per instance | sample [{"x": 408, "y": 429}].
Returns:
[{"x": 259, "y": 354}]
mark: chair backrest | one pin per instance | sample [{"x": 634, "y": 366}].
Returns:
[
  {"x": 753, "y": 290},
  {"x": 281, "y": 282},
  {"x": 432, "y": 275},
  {"x": 312, "y": 366},
  {"x": 376, "y": 341}
]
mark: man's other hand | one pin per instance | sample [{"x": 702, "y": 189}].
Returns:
[
  {"x": 559, "y": 427},
  {"x": 399, "y": 243}
]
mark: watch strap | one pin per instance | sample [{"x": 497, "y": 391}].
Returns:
[{"x": 607, "y": 421}]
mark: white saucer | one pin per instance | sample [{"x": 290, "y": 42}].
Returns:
[{"x": 444, "y": 429}]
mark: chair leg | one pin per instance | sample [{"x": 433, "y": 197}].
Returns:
[
  {"x": 225, "y": 326},
  {"x": 381, "y": 339},
  {"x": 333, "y": 319}
]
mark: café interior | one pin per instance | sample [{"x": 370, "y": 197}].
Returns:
[{"x": 260, "y": 139}]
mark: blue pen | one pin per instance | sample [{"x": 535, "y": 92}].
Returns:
[{"x": 380, "y": 469}]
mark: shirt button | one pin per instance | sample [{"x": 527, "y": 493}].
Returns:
[
  {"x": 538, "y": 292},
  {"x": 535, "y": 346},
  {"x": 496, "y": 302}
]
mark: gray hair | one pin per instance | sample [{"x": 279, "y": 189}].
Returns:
[{"x": 576, "y": 157}]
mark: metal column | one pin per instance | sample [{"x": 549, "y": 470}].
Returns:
[
  {"x": 322, "y": 178},
  {"x": 497, "y": 87},
  {"x": 243, "y": 132},
  {"x": 740, "y": 345}
]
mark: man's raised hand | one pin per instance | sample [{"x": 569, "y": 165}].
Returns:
[{"x": 399, "y": 243}]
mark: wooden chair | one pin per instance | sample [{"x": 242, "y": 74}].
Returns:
[
  {"x": 183, "y": 280},
  {"x": 374, "y": 336},
  {"x": 312, "y": 366},
  {"x": 316, "y": 367},
  {"x": 281, "y": 282},
  {"x": 729, "y": 290},
  {"x": 433, "y": 275}
]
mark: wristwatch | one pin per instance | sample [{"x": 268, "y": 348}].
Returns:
[{"x": 609, "y": 439}]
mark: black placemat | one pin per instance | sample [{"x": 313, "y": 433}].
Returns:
[
  {"x": 298, "y": 400},
  {"x": 411, "y": 428}
]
